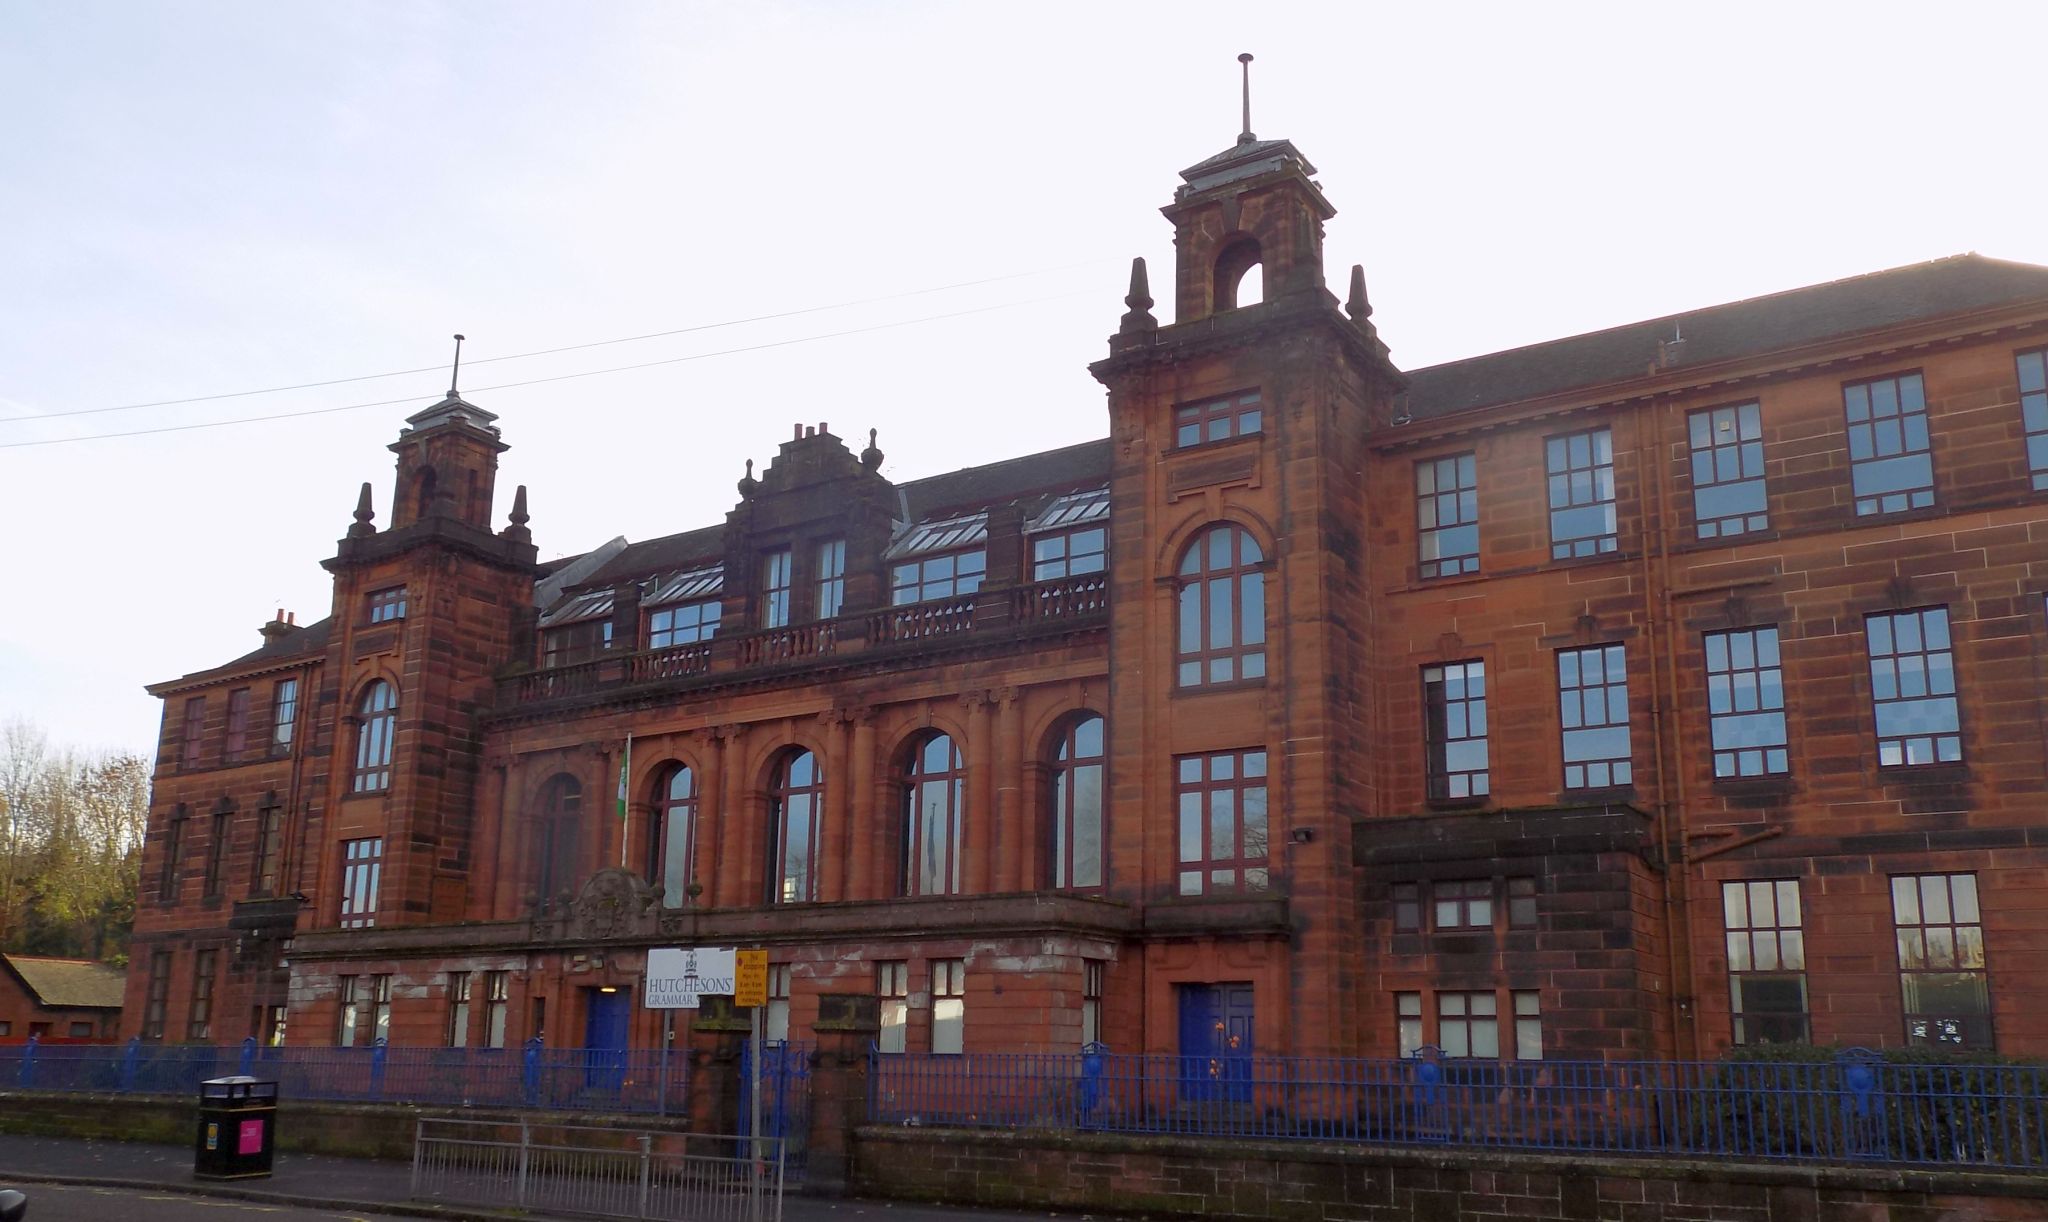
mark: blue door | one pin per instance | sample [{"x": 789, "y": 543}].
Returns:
[
  {"x": 604, "y": 1037},
  {"x": 1216, "y": 1042}
]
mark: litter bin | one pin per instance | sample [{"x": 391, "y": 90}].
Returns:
[{"x": 237, "y": 1129}]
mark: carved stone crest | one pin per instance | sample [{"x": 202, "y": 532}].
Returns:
[{"x": 610, "y": 905}]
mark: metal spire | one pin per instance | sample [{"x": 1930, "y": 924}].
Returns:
[
  {"x": 457, "y": 372},
  {"x": 1245, "y": 136}
]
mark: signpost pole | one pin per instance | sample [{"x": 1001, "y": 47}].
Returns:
[{"x": 668, "y": 1035}]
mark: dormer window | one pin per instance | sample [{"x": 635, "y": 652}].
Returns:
[
  {"x": 684, "y": 609},
  {"x": 1220, "y": 419},
  {"x": 387, "y": 604},
  {"x": 578, "y": 630},
  {"x": 935, "y": 560},
  {"x": 1070, "y": 537},
  {"x": 777, "y": 575}
]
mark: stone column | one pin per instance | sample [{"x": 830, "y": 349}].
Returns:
[
  {"x": 847, "y": 1026},
  {"x": 980, "y": 831},
  {"x": 861, "y": 868},
  {"x": 1013, "y": 821},
  {"x": 836, "y": 879},
  {"x": 718, "y": 1034}
]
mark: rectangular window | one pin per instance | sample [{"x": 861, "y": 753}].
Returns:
[
  {"x": 1091, "y": 1001},
  {"x": 573, "y": 643},
  {"x": 269, "y": 845},
  {"x": 1766, "y": 961},
  {"x": 458, "y": 1009},
  {"x": 1521, "y": 903},
  {"x": 1728, "y": 470},
  {"x": 380, "y": 1009},
  {"x": 387, "y": 605},
  {"x": 831, "y": 578},
  {"x": 199, "y": 1022},
  {"x": 1468, "y": 1024},
  {"x": 1943, "y": 981},
  {"x": 1746, "y": 703},
  {"x": 217, "y": 851},
  {"x": 1407, "y": 907},
  {"x": 1408, "y": 1023},
  {"x": 1580, "y": 467},
  {"x": 80, "y": 1031},
  {"x": 158, "y": 995},
  {"x": 1220, "y": 419},
  {"x": 1447, "y": 514},
  {"x": 892, "y": 985},
  {"x": 1454, "y": 730},
  {"x": 1528, "y": 1024},
  {"x": 238, "y": 723},
  {"x": 284, "y": 714},
  {"x": 1890, "y": 465},
  {"x": 776, "y": 579},
  {"x": 2033, "y": 368},
  {"x": 1222, "y": 801},
  {"x": 775, "y": 1024},
  {"x": 1592, "y": 699},
  {"x": 497, "y": 1005},
  {"x": 346, "y": 1015},
  {"x": 1913, "y": 687},
  {"x": 362, "y": 865},
  {"x": 271, "y": 1032},
  {"x": 949, "y": 1005},
  {"x": 1465, "y": 903},
  {"x": 194, "y": 728},
  {"x": 687, "y": 624},
  {"x": 1069, "y": 553},
  {"x": 174, "y": 850},
  {"x": 935, "y": 577}
]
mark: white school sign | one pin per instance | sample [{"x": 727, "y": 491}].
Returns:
[{"x": 677, "y": 977}]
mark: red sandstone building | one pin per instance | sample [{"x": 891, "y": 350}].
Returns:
[
  {"x": 1633, "y": 694},
  {"x": 58, "y": 1000}
]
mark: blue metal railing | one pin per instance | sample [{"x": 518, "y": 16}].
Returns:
[
  {"x": 1855, "y": 1109},
  {"x": 532, "y": 1076}
]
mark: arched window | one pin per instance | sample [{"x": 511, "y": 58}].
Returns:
[
  {"x": 1222, "y": 630},
  {"x": 934, "y": 802},
  {"x": 796, "y": 803},
  {"x": 672, "y": 845},
  {"x": 1239, "y": 278},
  {"x": 558, "y": 835},
  {"x": 374, "y": 732},
  {"x": 1077, "y": 830}
]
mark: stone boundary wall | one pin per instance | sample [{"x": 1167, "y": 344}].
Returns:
[
  {"x": 353, "y": 1130},
  {"x": 1317, "y": 1182}
]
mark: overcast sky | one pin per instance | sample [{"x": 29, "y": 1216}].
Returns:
[{"x": 206, "y": 198}]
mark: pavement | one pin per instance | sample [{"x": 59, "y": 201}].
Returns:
[{"x": 352, "y": 1185}]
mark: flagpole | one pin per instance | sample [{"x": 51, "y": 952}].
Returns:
[{"x": 625, "y": 823}]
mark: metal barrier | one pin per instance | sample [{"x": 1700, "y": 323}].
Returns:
[
  {"x": 613, "y": 1173},
  {"x": 532, "y": 1076},
  {"x": 1855, "y": 1109}
]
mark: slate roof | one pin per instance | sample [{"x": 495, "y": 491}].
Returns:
[
  {"x": 1955, "y": 285},
  {"x": 308, "y": 639},
  {"x": 69, "y": 984},
  {"x": 1067, "y": 469}
]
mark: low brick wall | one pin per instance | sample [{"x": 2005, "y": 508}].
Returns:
[
  {"x": 1311, "y": 1182},
  {"x": 354, "y": 1130}
]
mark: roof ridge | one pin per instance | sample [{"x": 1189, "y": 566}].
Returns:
[{"x": 1720, "y": 305}]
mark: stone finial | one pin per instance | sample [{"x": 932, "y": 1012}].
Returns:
[
  {"x": 364, "y": 514},
  {"x": 1139, "y": 299},
  {"x": 517, "y": 531},
  {"x": 1356, "y": 305},
  {"x": 748, "y": 485},
  {"x": 871, "y": 458}
]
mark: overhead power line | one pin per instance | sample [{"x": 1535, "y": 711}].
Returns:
[
  {"x": 561, "y": 377},
  {"x": 518, "y": 356}
]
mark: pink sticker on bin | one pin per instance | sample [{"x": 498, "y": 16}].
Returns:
[{"x": 250, "y": 1141}]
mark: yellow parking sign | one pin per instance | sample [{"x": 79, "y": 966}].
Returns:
[{"x": 750, "y": 978}]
